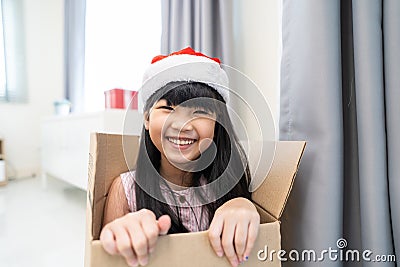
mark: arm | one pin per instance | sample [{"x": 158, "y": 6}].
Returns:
[
  {"x": 116, "y": 203},
  {"x": 234, "y": 229},
  {"x": 132, "y": 235}
]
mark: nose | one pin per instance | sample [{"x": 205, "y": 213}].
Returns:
[{"x": 181, "y": 123}]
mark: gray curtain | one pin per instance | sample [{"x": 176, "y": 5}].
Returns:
[
  {"x": 205, "y": 25},
  {"x": 340, "y": 88},
  {"x": 74, "y": 49}
]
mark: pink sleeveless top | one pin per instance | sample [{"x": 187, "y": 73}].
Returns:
[{"x": 193, "y": 214}]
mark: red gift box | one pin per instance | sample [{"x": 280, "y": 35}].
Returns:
[{"x": 121, "y": 99}]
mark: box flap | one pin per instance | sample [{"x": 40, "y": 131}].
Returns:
[
  {"x": 107, "y": 161},
  {"x": 194, "y": 250},
  {"x": 274, "y": 191}
]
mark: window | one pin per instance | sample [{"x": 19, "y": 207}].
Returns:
[
  {"x": 13, "y": 87},
  {"x": 122, "y": 36},
  {"x": 13, "y": 82},
  {"x": 3, "y": 92}
]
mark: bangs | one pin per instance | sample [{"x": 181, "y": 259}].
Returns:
[{"x": 190, "y": 94}]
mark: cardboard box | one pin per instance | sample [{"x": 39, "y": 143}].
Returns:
[{"x": 107, "y": 161}]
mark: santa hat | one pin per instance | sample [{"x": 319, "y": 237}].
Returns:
[{"x": 184, "y": 65}]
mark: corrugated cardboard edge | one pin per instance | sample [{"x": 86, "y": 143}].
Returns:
[
  {"x": 274, "y": 192},
  {"x": 89, "y": 200},
  {"x": 180, "y": 249},
  {"x": 97, "y": 182}
]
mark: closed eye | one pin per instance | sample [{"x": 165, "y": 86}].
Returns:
[
  {"x": 166, "y": 107},
  {"x": 202, "y": 112}
]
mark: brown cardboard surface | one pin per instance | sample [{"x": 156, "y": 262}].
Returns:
[
  {"x": 107, "y": 161},
  {"x": 274, "y": 191},
  {"x": 265, "y": 217},
  {"x": 193, "y": 249}
]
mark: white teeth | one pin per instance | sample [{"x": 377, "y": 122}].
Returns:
[{"x": 180, "y": 142}]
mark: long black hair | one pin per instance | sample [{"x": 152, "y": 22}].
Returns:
[{"x": 230, "y": 165}]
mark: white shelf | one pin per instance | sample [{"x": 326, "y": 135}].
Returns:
[
  {"x": 3, "y": 175},
  {"x": 65, "y": 141}
]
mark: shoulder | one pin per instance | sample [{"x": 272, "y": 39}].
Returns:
[
  {"x": 128, "y": 178},
  {"x": 128, "y": 184},
  {"x": 116, "y": 187}
]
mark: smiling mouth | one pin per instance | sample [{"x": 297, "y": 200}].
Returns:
[{"x": 181, "y": 141}]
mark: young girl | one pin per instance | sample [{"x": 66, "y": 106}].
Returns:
[{"x": 191, "y": 174}]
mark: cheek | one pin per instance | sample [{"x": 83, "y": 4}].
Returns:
[
  {"x": 206, "y": 135},
  {"x": 208, "y": 127},
  {"x": 155, "y": 137},
  {"x": 155, "y": 130}
]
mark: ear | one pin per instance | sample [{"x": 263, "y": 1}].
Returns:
[{"x": 146, "y": 120}]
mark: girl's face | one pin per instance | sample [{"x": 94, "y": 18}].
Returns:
[{"x": 181, "y": 134}]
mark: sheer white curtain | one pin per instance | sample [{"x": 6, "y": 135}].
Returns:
[
  {"x": 121, "y": 39},
  {"x": 2, "y": 58},
  {"x": 74, "y": 48},
  {"x": 13, "y": 83}
]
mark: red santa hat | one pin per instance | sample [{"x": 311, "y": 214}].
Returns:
[{"x": 184, "y": 65}]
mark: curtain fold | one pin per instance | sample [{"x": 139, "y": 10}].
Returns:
[
  {"x": 391, "y": 42},
  {"x": 369, "y": 84},
  {"x": 339, "y": 91},
  {"x": 310, "y": 78},
  {"x": 351, "y": 193},
  {"x": 205, "y": 25},
  {"x": 74, "y": 49}
]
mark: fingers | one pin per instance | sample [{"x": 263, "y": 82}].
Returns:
[
  {"x": 251, "y": 236},
  {"x": 227, "y": 243},
  {"x": 140, "y": 243},
  {"x": 164, "y": 223},
  {"x": 134, "y": 236},
  {"x": 214, "y": 235},
  {"x": 240, "y": 239},
  {"x": 108, "y": 241},
  {"x": 234, "y": 229},
  {"x": 116, "y": 240},
  {"x": 151, "y": 231},
  {"x": 124, "y": 245}
]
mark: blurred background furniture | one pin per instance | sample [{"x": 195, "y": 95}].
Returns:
[
  {"x": 3, "y": 175},
  {"x": 65, "y": 141}
]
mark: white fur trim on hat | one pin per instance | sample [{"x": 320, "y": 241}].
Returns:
[{"x": 184, "y": 68}]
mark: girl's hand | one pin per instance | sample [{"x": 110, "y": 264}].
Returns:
[
  {"x": 134, "y": 235},
  {"x": 234, "y": 230}
]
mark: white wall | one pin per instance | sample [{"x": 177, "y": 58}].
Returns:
[
  {"x": 20, "y": 123},
  {"x": 257, "y": 47}
]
